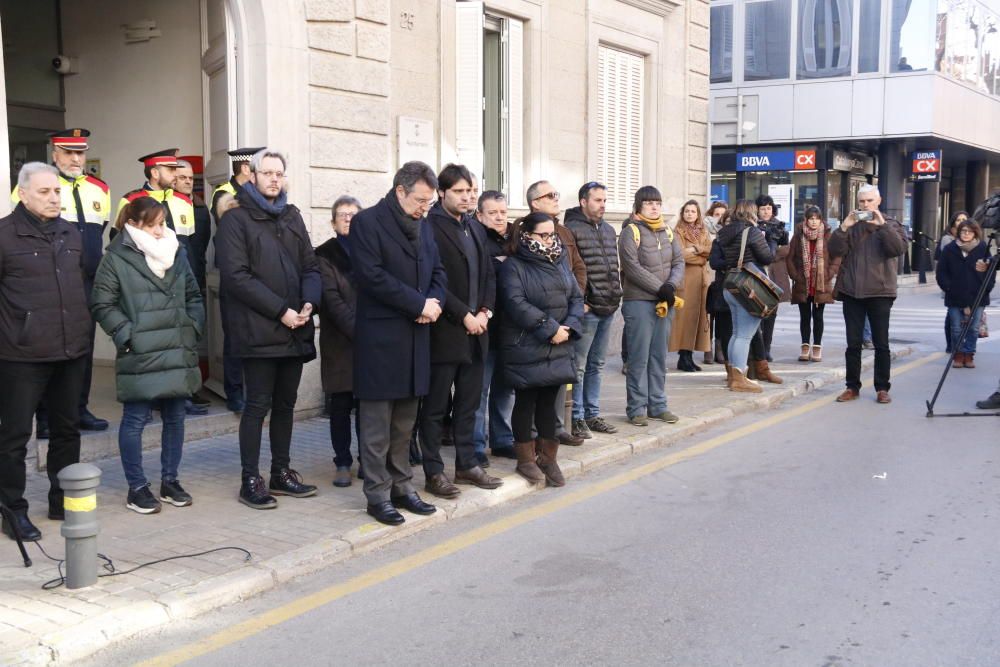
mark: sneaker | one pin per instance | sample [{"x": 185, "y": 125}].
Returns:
[
  {"x": 253, "y": 494},
  {"x": 598, "y": 425},
  {"x": 142, "y": 501},
  {"x": 991, "y": 403},
  {"x": 638, "y": 420},
  {"x": 287, "y": 482},
  {"x": 342, "y": 477},
  {"x": 172, "y": 492},
  {"x": 666, "y": 416},
  {"x": 581, "y": 430}
]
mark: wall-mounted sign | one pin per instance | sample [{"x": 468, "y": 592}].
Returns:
[
  {"x": 926, "y": 165},
  {"x": 856, "y": 163},
  {"x": 416, "y": 140},
  {"x": 776, "y": 161}
]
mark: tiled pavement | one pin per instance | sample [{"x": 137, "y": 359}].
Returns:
[{"x": 301, "y": 535}]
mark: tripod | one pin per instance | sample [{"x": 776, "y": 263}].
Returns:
[
  {"x": 9, "y": 515},
  {"x": 991, "y": 269}
]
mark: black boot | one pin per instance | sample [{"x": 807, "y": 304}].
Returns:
[
  {"x": 23, "y": 525},
  {"x": 694, "y": 366},
  {"x": 683, "y": 362}
]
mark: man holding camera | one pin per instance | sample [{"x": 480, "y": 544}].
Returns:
[{"x": 869, "y": 244}]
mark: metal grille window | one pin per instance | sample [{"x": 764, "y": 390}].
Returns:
[{"x": 619, "y": 123}]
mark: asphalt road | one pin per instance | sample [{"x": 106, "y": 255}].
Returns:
[{"x": 852, "y": 534}]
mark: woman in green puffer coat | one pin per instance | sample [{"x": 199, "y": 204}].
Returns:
[{"x": 146, "y": 298}]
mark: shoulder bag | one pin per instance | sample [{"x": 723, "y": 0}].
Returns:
[{"x": 751, "y": 286}]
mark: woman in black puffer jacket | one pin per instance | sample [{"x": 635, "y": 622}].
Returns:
[
  {"x": 745, "y": 325},
  {"x": 542, "y": 310}
]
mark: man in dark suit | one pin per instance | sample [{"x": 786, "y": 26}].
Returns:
[
  {"x": 459, "y": 341},
  {"x": 401, "y": 289}
]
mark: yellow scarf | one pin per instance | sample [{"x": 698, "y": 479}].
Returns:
[{"x": 656, "y": 225}]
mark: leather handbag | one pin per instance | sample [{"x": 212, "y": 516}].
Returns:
[{"x": 751, "y": 286}]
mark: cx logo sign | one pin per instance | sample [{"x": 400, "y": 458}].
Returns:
[
  {"x": 805, "y": 160},
  {"x": 930, "y": 166}
]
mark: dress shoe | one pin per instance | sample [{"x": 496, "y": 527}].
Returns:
[
  {"x": 477, "y": 477},
  {"x": 439, "y": 485},
  {"x": 883, "y": 397},
  {"x": 57, "y": 513},
  {"x": 235, "y": 405},
  {"x": 385, "y": 513},
  {"x": 569, "y": 440},
  {"x": 411, "y": 502},
  {"x": 342, "y": 477},
  {"x": 193, "y": 409},
  {"x": 26, "y": 529},
  {"x": 88, "y": 422},
  {"x": 42, "y": 430},
  {"x": 848, "y": 395}
]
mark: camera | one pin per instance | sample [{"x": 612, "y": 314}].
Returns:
[
  {"x": 65, "y": 65},
  {"x": 774, "y": 232},
  {"x": 864, "y": 216},
  {"x": 987, "y": 215}
]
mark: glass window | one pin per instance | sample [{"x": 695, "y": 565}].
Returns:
[
  {"x": 834, "y": 198},
  {"x": 767, "y": 38},
  {"x": 721, "y": 39},
  {"x": 959, "y": 25},
  {"x": 989, "y": 62},
  {"x": 869, "y": 29},
  {"x": 824, "y": 38},
  {"x": 30, "y": 40},
  {"x": 724, "y": 187},
  {"x": 912, "y": 35}
]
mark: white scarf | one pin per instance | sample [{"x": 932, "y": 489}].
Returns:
[{"x": 159, "y": 253}]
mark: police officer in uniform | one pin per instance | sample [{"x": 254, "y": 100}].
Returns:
[
  {"x": 160, "y": 169},
  {"x": 86, "y": 202},
  {"x": 232, "y": 366}
]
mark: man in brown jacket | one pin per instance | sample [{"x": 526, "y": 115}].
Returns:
[
  {"x": 869, "y": 244},
  {"x": 544, "y": 198}
]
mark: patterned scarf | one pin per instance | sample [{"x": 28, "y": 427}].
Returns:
[
  {"x": 534, "y": 246},
  {"x": 813, "y": 261},
  {"x": 691, "y": 231}
]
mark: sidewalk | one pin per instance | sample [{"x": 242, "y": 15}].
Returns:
[{"x": 301, "y": 535}]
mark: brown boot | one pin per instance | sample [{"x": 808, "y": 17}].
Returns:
[
  {"x": 959, "y": 361},
  {"x": 547, "y": 462},
  {"x": 741, "y": 383},
  {"x": 752, "y": 370},
  {"x": 729, "y": 376},
  {"x": 969, "y": 363},
  {"x": 526, "y": 465},
  {"x": 764, "y": 373}
]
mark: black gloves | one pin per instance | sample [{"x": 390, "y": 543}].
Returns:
[{"x": 666, "y": 293}]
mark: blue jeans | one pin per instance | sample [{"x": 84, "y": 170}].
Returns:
[
  {"x": 134, "y": 414},
  {"x": 745, "y": 326},
  {"x": 646, "y": 379},
  {"x": 498, "y": 401},
  {"x": 591, "y": 348},
  {"x": 957, "y": 319}
]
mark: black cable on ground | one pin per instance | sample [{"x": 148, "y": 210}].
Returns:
[{"x": 109, "y": 565}]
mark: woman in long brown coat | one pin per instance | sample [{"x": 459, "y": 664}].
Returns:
[
  {"x": 691, "y": 331},
  {"x": 812, "y": 273}
]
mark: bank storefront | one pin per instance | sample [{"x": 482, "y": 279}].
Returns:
[{"x": 823, "y": 175}]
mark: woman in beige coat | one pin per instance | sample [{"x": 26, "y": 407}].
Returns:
[{"x": 691, "y": 331}]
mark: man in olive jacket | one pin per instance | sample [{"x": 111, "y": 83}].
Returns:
[
  {"x": 44, "y": 339},
  {"x": 867, "y": 286}
]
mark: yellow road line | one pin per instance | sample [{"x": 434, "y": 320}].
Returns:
[{"x": 392, "y": 570}]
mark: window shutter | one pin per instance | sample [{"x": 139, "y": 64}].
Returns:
[
  {"x": 469, "y": 85},
  {"x": 515, "y": 112},
  {"x": 619, "y": 123}
]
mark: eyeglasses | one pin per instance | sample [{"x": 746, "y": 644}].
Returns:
[
  {"x": 652, "y": 202},
  {"x": 548, "y": 195},
  {"x": 544, "y": 236},
  {"x": 271, "y": 174},
  {"x": 344, "y": 216}
]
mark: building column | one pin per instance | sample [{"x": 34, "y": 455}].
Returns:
[
  {"x": 977, "y": 184},
  {"x": 891, "y": 178},
  {"x": 926, "y": 196}
]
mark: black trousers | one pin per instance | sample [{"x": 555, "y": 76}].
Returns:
[
  {"x": 24, "y": 385},
  {"x": 811, "y": 321},
  {"x": 723, "y": 330},
  {"x": 767, "y": 333},
  {"x": 468, "y": 382},
  {"x": 232, "y": 366},
  {"x": 272, "y": 384},
  {"x": 341, "y": 405},
  {"x": 876, "y": 310},
  {"x": 537, "y": 406}
]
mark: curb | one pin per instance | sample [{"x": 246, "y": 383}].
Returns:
[{"x": 99, "y": 632}]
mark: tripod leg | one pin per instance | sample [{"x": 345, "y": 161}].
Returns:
[{"x": 9, "y": 515}]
